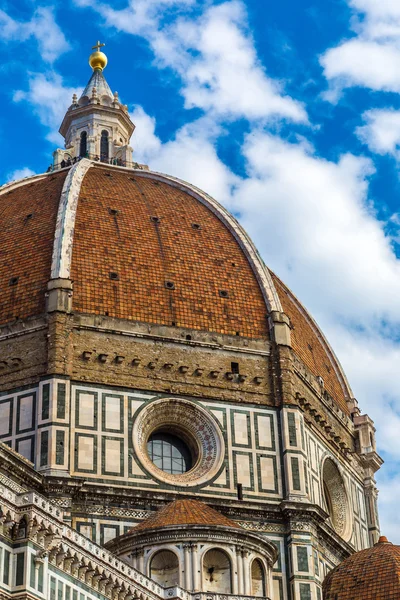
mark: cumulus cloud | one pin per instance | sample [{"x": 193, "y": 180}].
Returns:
[
  {"x": 213, "y": 54},
  {"x": 381, "y": 131},
  {"x": 20, "y": 174},
  {"x": 49, "y": 98},
  {"x": 371, "y": 57},
  {"x": 42, "y": 27},
  {"x": 190, "y": 154}
]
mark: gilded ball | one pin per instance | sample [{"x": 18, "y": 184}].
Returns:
[{"x": 98, "y": 60}]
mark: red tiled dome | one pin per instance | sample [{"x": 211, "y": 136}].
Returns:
[
  {"x": 185, "y": 512},
  {"x": 372, "y": 574},
  {"x": 148, "y": 248}
]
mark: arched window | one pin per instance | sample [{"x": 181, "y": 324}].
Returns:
[
  {"x": 258, "y": 579},
  {"x": 83, "y": 144},
  {"x": 164, "y": 568},
  {"x": 104, "y": 152},
  {"x": 217, "y": 576}
]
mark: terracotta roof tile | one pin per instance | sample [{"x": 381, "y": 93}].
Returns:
[
  {"x": 28, "y": 216},
  {"x": 150, "y": 233},
  {"x": 372, "y": 574},
  {"x": 185, "y": 512},
  {"x": 309, "y": 345}
]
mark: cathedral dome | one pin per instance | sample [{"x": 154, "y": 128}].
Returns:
[
  {"x": 149, "y": 248},
  {"x": 373, "y": 573}
]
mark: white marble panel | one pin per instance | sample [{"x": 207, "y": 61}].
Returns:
[
  {"x": 241, "y": 435},
  {"x": 112, "y": 455},
  {"x": 5, "y": 408},
  {"x": 264, "y": 431},
  {"x": 85, "y": 453},
  {"x": 243, "y": 469},
  {"x": 112, "y": 407},
  {"x": 267, "y": 473},
  {"x": 25, "y": 413},
  {"x": 86, "y": 410}
]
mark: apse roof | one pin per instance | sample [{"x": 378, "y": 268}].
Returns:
[{"x": 185, "y": 512}]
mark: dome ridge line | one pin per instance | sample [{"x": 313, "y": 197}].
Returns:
[
  {"x": 11, "y": 185},
  {"x": 65, "y": 224},
  {"x": 261, "y": 272},
  {"x": 323, "y": 339}
]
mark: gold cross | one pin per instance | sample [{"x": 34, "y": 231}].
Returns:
[{"x": 97, "y": 46}]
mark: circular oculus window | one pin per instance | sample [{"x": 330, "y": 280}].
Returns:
[{"x": 178, "y": 442}]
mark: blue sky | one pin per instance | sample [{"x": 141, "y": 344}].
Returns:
[{"x": 286, "y": 112}]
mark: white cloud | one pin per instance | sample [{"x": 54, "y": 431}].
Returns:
[
  {"x": 20, "y": 174},
  {"x": 49, "y": 98},
  {"x": 381, "y": 131},
  {"x": 191, "y": 154},
  {"x": 42, "y": 26},
  {"x": 214, "y": 55},
  {"x": 370, "y": 58}
]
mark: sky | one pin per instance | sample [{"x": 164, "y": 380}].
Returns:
[{"x": 287, "y": 113}]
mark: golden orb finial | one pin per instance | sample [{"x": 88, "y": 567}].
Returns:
[{"x": 98, "y": 60}]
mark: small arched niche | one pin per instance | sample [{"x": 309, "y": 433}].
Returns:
[
  {"x": 258, "y": 587},
  {"x": 217, "y": 572},
  {"x": 335, "y": 498},
  {"x": 164, "y": 568}
]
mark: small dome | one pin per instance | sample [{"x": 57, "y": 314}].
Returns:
[
  {"x": 373, "y": 573},
  {"x": 185, "y": 512}
]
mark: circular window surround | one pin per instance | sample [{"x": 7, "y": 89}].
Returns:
[
  {"x": 197, "y": 428},
  {"x": 337, "y": 503}
]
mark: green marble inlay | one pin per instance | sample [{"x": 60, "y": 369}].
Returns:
[
  {"x": 302, "y": 559},
  {"x": 45, "y": 401},
  {"x": 44, "y": 448},
  {"x": 305, "y": 591},
  {"x": 32, "y": 577},
  {"x": 60, "y": 443},
  {"x": 19, "y": 576},
  {"x": 292, "y": 429},
  {"x": 6, "y": 568},
  {"x": 295, "y": 473},
  {"x": 61, "y": 400}
]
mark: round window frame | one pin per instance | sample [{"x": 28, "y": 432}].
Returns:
[
  {"x": 196, "y": 426},
  {"x": 337, "y": 497}
]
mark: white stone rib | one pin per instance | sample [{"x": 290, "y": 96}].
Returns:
[
  {"x": 65, "y": 225},
  {"x": 62, "y": 250}
]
